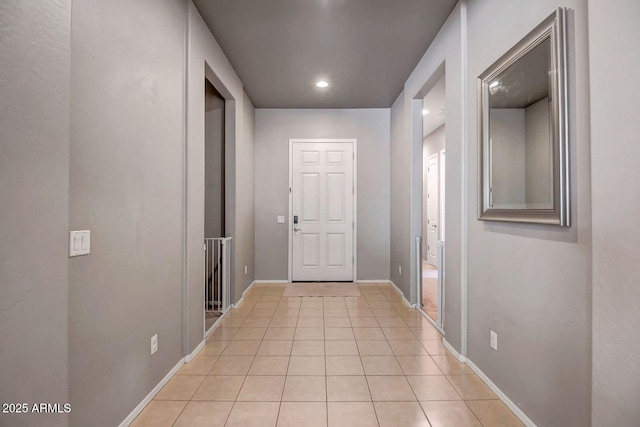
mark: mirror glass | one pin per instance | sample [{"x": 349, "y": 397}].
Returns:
[
  {"x": 520, "y": 137},
  {"x": 524, "y": 143}
]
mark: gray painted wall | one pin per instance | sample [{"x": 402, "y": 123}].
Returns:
[
  {"x": 273, "y": 130},
  {"x": 531, "y": 283},
  {"x": 126, "y": 187},
  {"x": 206, "y": 59},
  {"x": 507, "y": 290},
  {"x": 432, "y": 144},
  {"x": 615, "y": 61},
  {"x": 445, "y": 52},
  {"x": 399, "y": 257},
  {"x": 34, "y": 203},
  {"x": 245, "y": 201},
  {"x": 112, "y": 164}
]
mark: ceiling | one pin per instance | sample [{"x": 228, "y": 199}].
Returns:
[{"x": 365, "y": 49}]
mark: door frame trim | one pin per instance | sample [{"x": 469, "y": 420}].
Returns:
[{"x": 353, "y": 141}]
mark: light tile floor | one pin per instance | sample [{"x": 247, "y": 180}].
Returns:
[
  {"x": 326, "y": 362},
  {"x": 430, "y": 290}
]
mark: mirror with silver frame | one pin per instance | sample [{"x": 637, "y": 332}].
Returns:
[{"x": 524, "y": 174}]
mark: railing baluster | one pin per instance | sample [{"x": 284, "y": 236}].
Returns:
[
  {"x": 217, "y": 252},
  {"x": 206, "y": 277}
]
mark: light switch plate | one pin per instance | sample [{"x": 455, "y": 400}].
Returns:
[
  {"x": 281, "y": 219},
  {"x": 493, "y": 340},
  {"x": 154, "y": 344},
  {"x": 79, "y": 242}
]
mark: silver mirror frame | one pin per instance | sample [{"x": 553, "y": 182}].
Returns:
[{"x": 553, "y": 28}]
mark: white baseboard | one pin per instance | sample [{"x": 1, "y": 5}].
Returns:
[
  {"x": 271, "y": 281},
  {"x": 373, "y": 281},
  {"x": 453, "y": 351},
  {"x": 514, "y": 408},
  {"x": 215, "y": 324},
  {"x": 246, "y": 291},
  {"x": 132, "y": 416},
  {"x": 404, "y": 300},
  {"x": 430, "y": 320},
  {"x": 189, "y": 357}
]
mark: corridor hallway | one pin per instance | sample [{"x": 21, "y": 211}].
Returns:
[{"x": 325, "y": 361}]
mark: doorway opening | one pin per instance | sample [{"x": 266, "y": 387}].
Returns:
[
  {"x": 214, "y": 204},
  {"x": 431, "y": 280},
  {"x": 322, "y": 210}
]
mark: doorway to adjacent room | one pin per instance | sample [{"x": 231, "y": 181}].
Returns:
[
  {"x": 433, "y": 200},
  {"x": 214, "y": 203}
]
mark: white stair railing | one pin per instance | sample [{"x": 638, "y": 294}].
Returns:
[
  {"x": 217, "y": 265},
  {"x": 419, "y": 270},
  {"x": 441, "y": 270}
]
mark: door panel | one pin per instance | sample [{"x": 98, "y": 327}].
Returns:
[
  {"x": 310, "y": 243},
  {"x": 322, "y": 198},
  {"x": 335, "y": 198},
  {"x": 335, "y": 158},
  {"x": 310, "y": 194},
  {"x": 310, "y": 158},
  {"x": 335, "y": 250}
]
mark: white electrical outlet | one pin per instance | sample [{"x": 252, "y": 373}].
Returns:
[
  {"x": 154, "y": 343},
  {"x": 280, "y": 219},
  {"x": 493, "y": 340},
  {"x": 400, "y": 270},
  {"x": 245, "y": 269}
]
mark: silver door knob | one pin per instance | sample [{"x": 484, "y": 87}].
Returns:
[{"x": 297, "y": 229}]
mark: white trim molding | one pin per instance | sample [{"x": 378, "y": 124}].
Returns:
[
  {"x": 429, "y": 319},
  {"x": 214, "y": 326},
  {"x": 136, "y": 411},
  {"x": 241, "y": 300},
  {"x": 503, "y": 397},
  {"x": 453, "y": 351},
  {"x": 275, "y": 282},
  {"x": 508, "y": 402},
  {"x": 464, "y": 233},
  {"x": 404, "y": 300},
  {"x": 381, "y": 281},
  {"x": 189, "y": 357}
]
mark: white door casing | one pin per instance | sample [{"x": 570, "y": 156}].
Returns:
[
  {"x": 441, "y": 196},
  {"x": 432, "y": 209},
  {"x": 322, "y": 197}
]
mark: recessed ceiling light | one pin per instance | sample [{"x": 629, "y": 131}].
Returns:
[
  {"x": 425, "y": 112},
  {"x": 322, "y": 83}
]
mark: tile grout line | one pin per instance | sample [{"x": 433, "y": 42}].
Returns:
[
  {"x": 180, "y": 414},
  {"x": 375, "y": 411},
  {"x": 395, "y": 356},
  {"x": 247, "y": 373},
  {"x": 326, "y": 379}
]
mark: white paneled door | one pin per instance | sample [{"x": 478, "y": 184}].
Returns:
[
  {"x": 433, "y": 207},
  {"x": 322, "y": 218}
]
